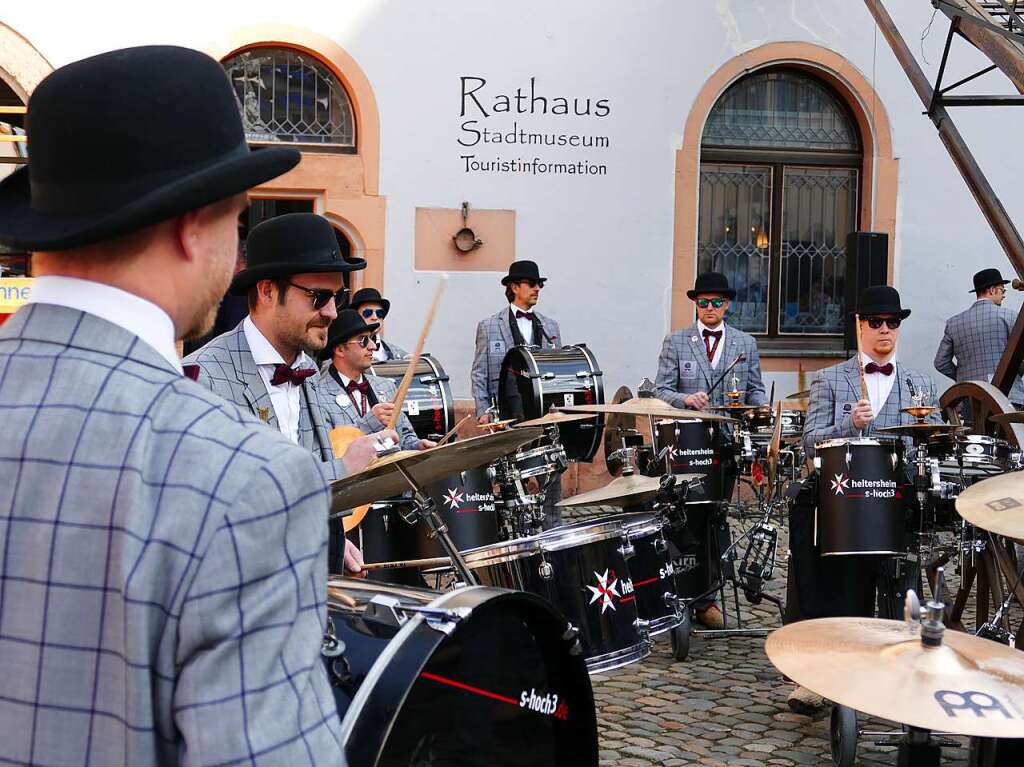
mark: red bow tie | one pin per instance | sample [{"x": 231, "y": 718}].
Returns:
[
  {"x": 285, "y": 374},
  {"x": 524, "y": 315},
  {"x": 360, "y": 386},
  {"x": 885, "y": 369},
  {"x": 716, "y": 334},
  {"x": 191, "y": 371}
]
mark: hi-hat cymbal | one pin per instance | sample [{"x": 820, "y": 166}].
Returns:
[
  {"x": 734, "y": 407},
  {"x": 383, "y": 480},
  {"x": 804, "y": 394},
  {"x": 626, "y": 490},
  {"x": 494, "y": 426},
  {"x": 1015, "y": 417},
  {"x": 919, "y": 411},
  {"x": 922, "y": 430},
  {"x": 966, "y": 686},
  {"x": 995, "y": 504},
  {"x": 556, "y": 417},
  {"x": 646, "y": 406}
]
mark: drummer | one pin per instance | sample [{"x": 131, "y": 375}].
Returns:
[
  {"x": 819, "y": 586},
  {"x": 373, "y": 307},
  {"x": 354, "y": 397}
]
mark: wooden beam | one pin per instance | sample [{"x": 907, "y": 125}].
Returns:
[{"x": 1005, "y": 54}]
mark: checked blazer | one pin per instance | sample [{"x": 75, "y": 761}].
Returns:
[
  {"x": 683, "y": 367},
  {"x": 973, "y": 342},
  {"x": 834, "y": 392},
  {"x": 395, "y": 352},
  {"x": 339, "y": 408},
  {"x": 163, "y": 571},
  {"x": 227, "y": 367},
  {"x": 493, "y": 341}
]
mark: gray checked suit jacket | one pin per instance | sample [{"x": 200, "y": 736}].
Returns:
[
  {"x": 395, "y": 351},
  {"x": 683, "y": 367},
  {"x": 976, "y": 339},
  {"x": 836, "y": 389},
  {"x": 338, "y": 408},
  {"x": 226, "y": 366},
  {"x": 493, "y": 341},
  {"x": 163, "y": 572}
]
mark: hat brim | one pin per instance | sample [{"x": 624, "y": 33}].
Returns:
[
  {"x": 340, "y": 339},
  {"x": 990, "y": 285},
  {"x": 879, "y": 311},
  {"x": 246, "y": 278},
  {"x": 384, "y": 304},
  {"x": 28, "y": 229},
  {"x": 728, "y": 293},
  {"x": 519, "y": 278}
]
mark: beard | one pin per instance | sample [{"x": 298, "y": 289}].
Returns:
[{"x": 202, "y": 324}]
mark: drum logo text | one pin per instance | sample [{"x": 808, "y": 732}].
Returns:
[
  {"x": 453, "y": 498},
  {"x": 869, "y": 488},
  {"x": 976, "y": 702},
  {"x": 1002, "y": 504},
  {"x": 608, "y": 589},
  {"x": 544, "y": 704},
  {"x": 698, "y": 456}
]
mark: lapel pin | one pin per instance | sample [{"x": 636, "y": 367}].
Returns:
[{"x": 264, "y": 414}]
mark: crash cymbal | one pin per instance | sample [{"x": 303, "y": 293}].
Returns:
[
  {"x": 626, "y": 490},
  {"x": 497, "y": 425},
  {"x": 556, "y": 417},
  {"x": 646, "y": 406},
  {"x": 995, "y": 504},
  {"x": 615, "y": 425},
  {"x": 804, "y": 394},
  {"x": 921, "y": 430},
  {"x": 383, "y": 480},
  {"x": 965, "y": 686},
  {"x": 1015, "y": 417}
]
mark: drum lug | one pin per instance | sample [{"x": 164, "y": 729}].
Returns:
[
  {"x": 660, "y": 545},
  {"x": 571, "y": 633},
  {"x": 330, "y": 645},
  {"x": 627, "y": 550},
  {"x": 385, "y": 611},
  {"x": 546, "y": 571}
]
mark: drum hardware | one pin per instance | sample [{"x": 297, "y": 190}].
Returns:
[
  {"x": 627, "y": 550},
  {"x": 758, "y": 564}
]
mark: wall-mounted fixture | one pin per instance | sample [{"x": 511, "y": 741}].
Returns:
[{"x": 465, "y": 239}]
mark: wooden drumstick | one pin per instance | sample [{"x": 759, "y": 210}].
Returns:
[
  {"x": 399, "y": 564},
  {"x": 860, "y": 361},
  {"x": 414, "y": 360},
  {"x": 453, "y": 430}
]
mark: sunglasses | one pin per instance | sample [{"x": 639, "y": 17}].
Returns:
[
  {"x": 703, "y": 303},
  {"x": 368, "y": 313},
  {"x": 532, "y": 283},
  {"x": 321, "y": 296},
  {"x": 364, "y": 341},
  {"x": 876, "y": 322}
]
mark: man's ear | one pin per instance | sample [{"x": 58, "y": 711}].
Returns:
[{"x": 187, "y": 233}]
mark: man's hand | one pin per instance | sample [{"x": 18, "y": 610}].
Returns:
[
  {"x": 426, "y": 444},
  {"x": 696, "y": 401},
  {"x": 364, "y": 449},
  {"x": 353, "y": 559},
  {"x": 383, "y": 411},
  {"x": 482, "y": 419},
  {"x": 862, "y": 414}
]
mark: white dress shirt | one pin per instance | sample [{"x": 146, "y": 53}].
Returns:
[
  {"x": 701, "y": 327},
  {"x": 138, "y": 316},
  {"x": 380, "y": 354},
  {"x": 879, "y": 385},
  {"x": 525, "y": 325},
  {"x": 356, "y": 398},
  {"x": 287, "y": 397}
]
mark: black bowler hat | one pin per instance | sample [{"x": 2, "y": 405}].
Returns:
[
  {"x": 126, "y": 139},
  {"x": 295, "y": 243},
  {"x": 347, "y": 325},
  {"x": 370, "y": 296},
  {"x": 986, "y": 279},
  {"x": 523, "y": 270},
  {"x": 711, "y": 282},
  {"x": 881, "y": 299}
]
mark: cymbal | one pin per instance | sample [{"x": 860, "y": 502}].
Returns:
[
  {"x": 995, "y": 504},
  {"x": 734, "y": 407},
  {"x": 804, "y": 394},
  {"x": 966, "y": 686},
  {"x": 1014, "y": 417},
  {"x": 550, "y": 418},
  {"x": 646, "y": 406},
  {"x": 614, "y": 426},
  {"x": 383, "y": 480},
  {"x": 922, "y": 430},
  {"x": 497, "y": 425},
  {"x": 626, "y": 490},
  {"x": 919, "y": 411}
]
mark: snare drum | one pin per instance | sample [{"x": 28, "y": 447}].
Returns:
[
  {"x": 980, "y": 454},
  {"x": 860, "y": 496},
  {"x": 581, "y": 569},
  {"x": 545, "y": 378},
  {"x": 428, "y": 403},
  {"x": 695, "y": 447},
  {"x": 465, "y": 677},
  {"x": 792, "y": 426}
]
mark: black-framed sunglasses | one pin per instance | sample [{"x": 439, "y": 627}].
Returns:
[
  {"x": 531, "y": 283},
  {"x": 876, "y": 322},
  {"x": 703, "y": 303},
  {"x": 368, "y": 313},
  {"x": 364, "y": 341},
  {"x": 321, "y": 296}
]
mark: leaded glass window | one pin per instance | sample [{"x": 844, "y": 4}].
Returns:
[
  {"x": 779, "y": 192},
  {"x": 288, "y": 96}
]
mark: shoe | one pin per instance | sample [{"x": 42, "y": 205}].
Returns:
[
  {"x": 803, "y": 701},
  {"x": 710, "y": 617}
]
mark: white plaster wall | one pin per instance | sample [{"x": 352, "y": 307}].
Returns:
[{"x": 604, "y": 242}]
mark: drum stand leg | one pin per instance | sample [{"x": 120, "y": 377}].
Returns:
[{"x": 424, "y": 510}]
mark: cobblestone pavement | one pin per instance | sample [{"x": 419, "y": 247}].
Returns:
[{"x": 724, "y": 705}]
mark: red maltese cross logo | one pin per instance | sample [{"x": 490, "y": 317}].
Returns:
[
  {"x": 605, "y": 591},
  {"x": 453, "y": 498},
  {"x": 840, "y": 484}
]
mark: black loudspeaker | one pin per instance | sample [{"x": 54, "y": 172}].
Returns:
[{"x": 867, "y": 264}]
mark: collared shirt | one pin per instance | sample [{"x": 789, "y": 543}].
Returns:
[
  {"x": 356, "y": 398},
  {"x": 380, "y": 354},
  {"x": 879, "y": 385},
  {"x": 525, "y": 325},
  {"x": 287, "y": 397},
  {"x": 701, "y": 327},
  {"x": 138, "y": 316}
]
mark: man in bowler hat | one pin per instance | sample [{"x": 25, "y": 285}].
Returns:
[
  {"x": 294, "y": 281},
  {"x": 162, "y": 597},
  {"x": 373, "y": 308},
  {"x": 974, "y": 340}
]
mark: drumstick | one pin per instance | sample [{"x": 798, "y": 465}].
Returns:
[
  {"x": 431, "y": 562},
  {"x": 414, "y": 360},
  {"x": 454, "y": 429},
  {"x": 860, "y": 360}
]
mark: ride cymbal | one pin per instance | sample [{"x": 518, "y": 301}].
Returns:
[
  {"x": 922, "y": 431},
  {"x": 626, "y": 490},
  {"x": 647, "y": 406},
  {"x": 965, "y": 686},
  {"x": 1015, "y": 417},
  {"x": 995, "y": 504},
  {"x": 556, "y": 417},
  {"x": 383, "y": 479}
]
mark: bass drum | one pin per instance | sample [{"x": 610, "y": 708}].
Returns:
[
  {"x": 429, "y": 403},
  {"x": 474, "y": 676},
  {"x": 533, "y": 380}
]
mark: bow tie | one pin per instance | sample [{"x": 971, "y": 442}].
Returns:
[
  {"x": 713, "y": 333},
  {"x": 359, "y": 386},
  {"x": 191, "y": 372},
  {"x": 524, "y": 315},
  {"x": 285, "y": 374},
  {"x": 885, "y": 369}
]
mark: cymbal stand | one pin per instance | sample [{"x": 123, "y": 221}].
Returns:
[{"x": 423, "y": 509}]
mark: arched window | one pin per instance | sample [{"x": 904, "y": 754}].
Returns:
[
  {"x": 779, "y": 184},
  {"x": 288, "y": 96}
]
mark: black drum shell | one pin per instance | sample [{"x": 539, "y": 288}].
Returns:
[
  {"x": 394, "y": 705},
  {"x": 533, "y": 380},
  {"x": 383, "y": 536},
  {"x": 861, "y": 520},
  {"x": 466, "y": 504},
  {"x": 428, "y": 403},
  {"x": 696, "y": 447}
]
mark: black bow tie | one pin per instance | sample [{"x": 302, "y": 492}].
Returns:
[
  {"x": 885, "y": 369},
  {"x": 359, "y": 386},
  {"x": 712, "y": 333},
  {"x": 524, "y": 315},
  {"x": 286, "y": 374}
]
